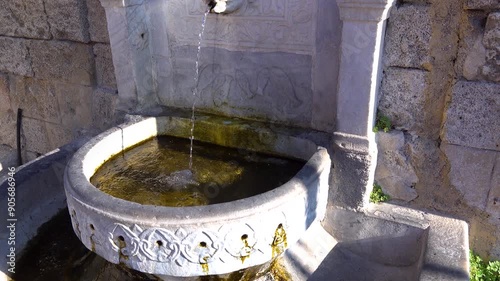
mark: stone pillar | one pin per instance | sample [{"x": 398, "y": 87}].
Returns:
[
  {"x": 355, "y": 155},
  {"x": 129, "y": 31}
]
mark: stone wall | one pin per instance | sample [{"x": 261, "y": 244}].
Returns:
[
  {"x": 55, "y": 64},
  {"x": 441, "y": 90}
]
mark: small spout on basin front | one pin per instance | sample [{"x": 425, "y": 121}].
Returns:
[{"x": 224, "y": 6}]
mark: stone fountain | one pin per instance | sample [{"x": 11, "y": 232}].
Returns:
[
  {"x": 299, "y": 79},
  {"x": 199, "y": 240}
]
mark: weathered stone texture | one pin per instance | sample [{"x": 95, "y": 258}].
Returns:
[
  {"x": 492, "y": 43},
  {"x": 403, "y": 97},
  {"x": 24, "y": 18},
  {"x": 34, "y": 136},
  {"x": 75, "y": 104},
  {"x": 36, "y": 97},
  {"x": 103, "y": 108},
  {"x": 71, "y": 62},
  {"x": 15, "y": 56},
  {"x": 58, "y": 135},
  {"x": 68, "y": 19},
  {"x": 482, "y": 4},
  {"x": 408, "y": 37},
  {"x": 352, "y": 177},
  {"x": 97, "y": 22},
  {"x": 493, "y": 204},
  {"x": 471, "y": 55},
  {"x": 394, "y": 173},
  {"x": 419, "y": 1},
  {"x": 471, "y": 171},
  {"x": 473, "y": 116},
  {"x": 105, "y": 71},
  {"x": 8, "y": 158},
  {"x": 7, "y": 116}
]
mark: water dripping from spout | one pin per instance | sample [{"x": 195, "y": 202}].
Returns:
[{"x": 195, "y": 90}]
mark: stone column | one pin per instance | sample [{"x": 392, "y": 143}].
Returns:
[
  {"x": 355, "y": 155},
  {"x": 129, "y": 31}
]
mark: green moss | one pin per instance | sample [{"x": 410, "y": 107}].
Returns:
[
  {"x": 483, "y": 271},
  {"x": 378, "y": 195},
  {"x": 383, "y": 123}
]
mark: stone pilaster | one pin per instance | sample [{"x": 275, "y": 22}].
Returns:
[
  {"x": 359, "y": 80},
  {"x": 129, "y": 29}
]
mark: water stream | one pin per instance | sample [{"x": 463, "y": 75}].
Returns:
[{"x": 195, "y": 90}]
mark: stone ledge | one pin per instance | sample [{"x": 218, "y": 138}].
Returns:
[
  {"x": 40, "y": 185},
  {"x": 365, "y": 10},
  {"x": 387, "y": 240}
]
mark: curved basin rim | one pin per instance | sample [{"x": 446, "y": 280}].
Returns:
[{"x": 79, "y": 187}]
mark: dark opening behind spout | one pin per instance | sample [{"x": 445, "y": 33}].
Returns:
[{"x": 212, "y": 4}]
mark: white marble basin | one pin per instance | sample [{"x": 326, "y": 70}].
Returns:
[{"x": 202, "y": 240}]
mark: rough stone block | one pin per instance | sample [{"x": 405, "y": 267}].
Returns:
[
  {"x": 493, "y": 204},
  {"x": 7, "y": 116},
  {"x": 97, "y": 22},
  {"x": 75, "y": 105},
  {"x": 8, "y": 158},
  {"x": 492, "y": 43},
  {"x": 105, "y": 70},
  {"x": 482, "y": 4},
  {"x": 71, "y": 62},
  {"x": 103, "y": 108},
  {"x": 68, "y": 19},
  {"x": 58, "y": 136},
  {"x": 351, "y": 176},
  {"x": 471, "y": 171},
  {"x": 24, "y": 18},
  {"x": 35, "y": 136},
  {"x": 36, "y": 97},
  {"x": 394, "y": 173},
  {"x": 408, "y": 37},
  {"x": 403, "y": 97},
  {"x": 471, "y": 55},
  {"x": 473, "y": 116},
  {"x": 14, "y": 56}
]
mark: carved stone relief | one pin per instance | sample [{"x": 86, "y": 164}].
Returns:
[{"x": 260, "y": 25}]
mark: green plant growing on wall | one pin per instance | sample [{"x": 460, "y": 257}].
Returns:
[
  {"x": 378, "y": 195},
  {"x": 383, "y": 123},
  {"x": 483, "y": 271}
]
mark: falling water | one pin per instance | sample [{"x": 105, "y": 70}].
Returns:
[{"x": 195, "y": 90}]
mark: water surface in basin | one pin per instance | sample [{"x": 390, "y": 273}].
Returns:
[{"x": 156, "y": 172}]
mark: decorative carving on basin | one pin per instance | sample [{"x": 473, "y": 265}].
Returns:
[{"x": 200, "y": 240}]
